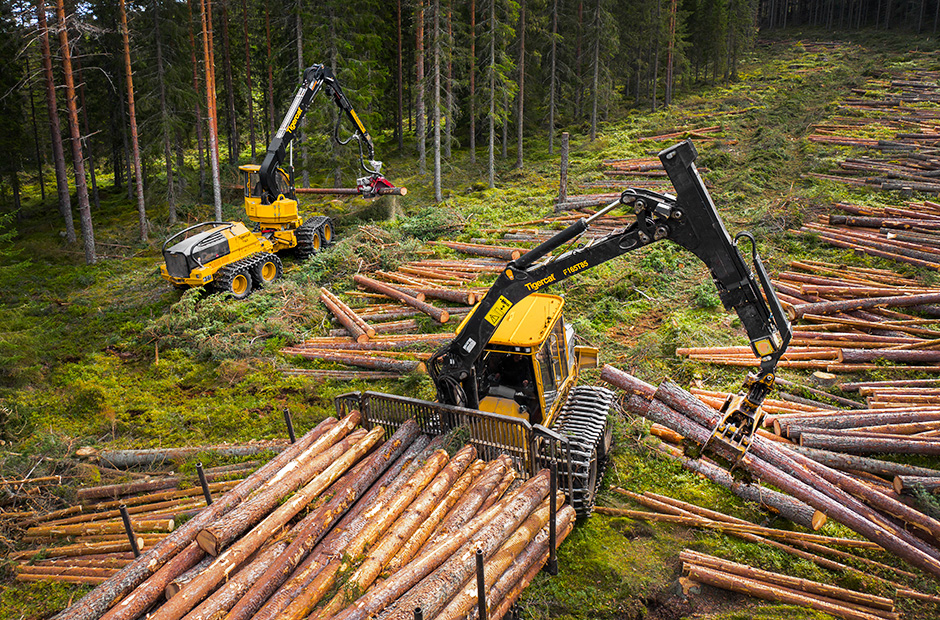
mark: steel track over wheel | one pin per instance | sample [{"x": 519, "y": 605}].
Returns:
[
  {"x": 584, "y": 419},
  {"x": 267, "y": 269},
  {"x": 313, "y": 235},
  {"x": 237, "y": 279}
]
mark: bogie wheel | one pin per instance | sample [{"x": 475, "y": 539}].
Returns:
[
  {"x": 267, "y": 270},
  {"x": 316, "y": 243},
  {"x": 326, "y": 233},
  {"x": 238, "y": 286}
]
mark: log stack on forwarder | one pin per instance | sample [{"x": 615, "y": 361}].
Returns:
[{"x": 345, "y": 523}]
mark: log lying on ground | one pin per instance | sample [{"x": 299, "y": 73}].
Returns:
[
  {"x": 347, "y": 317},
  {"x": 858, "y": 444},
  {"x": 793, "y": 583},
  {"x": 437, "y": 314},
  {"x": 489, "y": 251},
  {"x": 809, "y": 482},
  {"x": 773, "y": 501},
  {"x": 364, "y": 361},
  {"x": 752, "y": 587},
  {"x": 157, "y": 456},
  {"x": 838, "y": 460},
  {"x": 835, "y": 307}
]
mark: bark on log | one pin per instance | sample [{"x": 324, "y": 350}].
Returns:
[
  {"x": 174, "y": 586},
  {"x": 401, "y": 530},
  {"x": 226, "y": 596},
  {"x": 794, "y": 426},
  {"x": 777, "y": 503},
  {"x": 842, "y": 461},
  {"x": 334, "y": 545},
  {"x": 413, "y": 545},
  {"x": 390, "y": 590},
  {"x": 466, "y": 598},
  {"x": 793, "y": 583},
  {"x": 835, "y": 307},
  {"x": 301, "y": 606},
  {"x": 910, "y": 484},
  {"x": 236, "y": 555},
  {"x": 826, "y": 489},
  {"x": 363, "y": 361},
  {"x": 737, "y": 583},
  {"x": 860, "y": 444},
  {"x": 214, "y": 487},
  {"x": 489, "y": 251},
  {"x": 836, "y": 503},
  {"x": 347, "y": 317},
  {"x": 107, "y": 527},
  {"x": 157, "y": 456},
  {"x": 517, "y": 577},
  {"x": 310, "y": 464},
  {"x": 439, "y": 587},
  {"x": 437, "y": 314}
]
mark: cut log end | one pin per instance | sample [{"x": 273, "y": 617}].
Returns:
[
  {"x": 363, "y": 338},
  {"x": 819, "y": 519},
  {"x": 823, "y": 378},
  {"x": 445, "y": 316},
  {"x": 208, "y": 542}
]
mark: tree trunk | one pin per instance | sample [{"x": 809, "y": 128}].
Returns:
[
  {"x": 39, "y": 159},
  {"x": 656, "y": 53},
  {"x": 199, "y": 138},
  {"x": 400, "y": 114},
  {"x": 473, "y": 72},
  {"x": 305, "y": 174},
  {"x": 132, "y": 115},
  {"x": 552, "y": 79},
  {"x": 579, "y": 83},
  {"x": 670, "y": 54},
  {"x": 170, "y": 189},
  {"x": 87, "y": 139},
  {"x": 78, "y": 162},
  {"x": 419, "y": 85},
  {"x": 267, "y": 33},
  {"x": 491, "y": 158},
  {"x": 438, "y": 197},
  {"x": 232, "y": 120},
  {"x": 597, "y": 69},
  {"x": 210, "y": 105},
  {"x": 55, "y": 132},
  {"x": 251, "y": 99},
  {"x": 521, "y": 93},
  {"x": 449, "y": 135}
]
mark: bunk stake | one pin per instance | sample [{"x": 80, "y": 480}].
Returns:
[
  {"x": 290, "y": 425},
  {"x": 129, "y": 529},
  {"x": 419, "y": 615},
  {"x": 481, "y": 586},
  {"x": 204, "y": 483},
  {"x": 552, "y": 565}
]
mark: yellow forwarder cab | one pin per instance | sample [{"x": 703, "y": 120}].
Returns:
[{"x": 531, "y": 362}]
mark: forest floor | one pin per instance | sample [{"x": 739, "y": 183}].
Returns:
[{"x": 111, "y": 355}]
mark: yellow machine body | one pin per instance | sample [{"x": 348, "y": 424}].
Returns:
[
  {"x": 531, "y": 361},
  {"x": 209, "y": 251},
  {"x": 282, "y": 213}
]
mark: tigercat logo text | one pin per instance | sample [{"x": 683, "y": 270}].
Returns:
[
  {"x": 293, "y": 122},
  {"x": 534, "y": 286}
]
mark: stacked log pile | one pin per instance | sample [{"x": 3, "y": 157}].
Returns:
[
  {"x": 379, "y": 341},
  {"x": 344, "y": 525},
  {"x": 909, "y": 234},
  {"x": 909, "y": 161},
  {"x": 848, "y": 319},
  {"x": 847, "y": 488},
  {"x": 88, "y": 542}
]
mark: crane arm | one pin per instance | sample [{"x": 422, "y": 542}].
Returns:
[
  {"x": 690, "y": 220},
  {"x": 316, "y": 78}
]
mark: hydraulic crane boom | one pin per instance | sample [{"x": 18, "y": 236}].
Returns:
[
  {"x": 691, "y": 220},
  {"x": 316, "y": 78}
]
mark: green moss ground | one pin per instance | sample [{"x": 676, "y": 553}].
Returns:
[{"x": 110, "y": 355}]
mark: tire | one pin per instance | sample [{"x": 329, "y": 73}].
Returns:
[
  {"x": 267, "y": 270},
  {"x": 236, "y": 285},
  {"x": 326, "y": 232}
]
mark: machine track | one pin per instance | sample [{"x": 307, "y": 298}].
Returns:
[
  {"x": 584, "y": 419},
  {"x": 244, "y": 266},
  {"x": 313, "y": 235}
]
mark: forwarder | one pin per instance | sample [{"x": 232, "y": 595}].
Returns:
[{"x": 510, "y": 375}]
